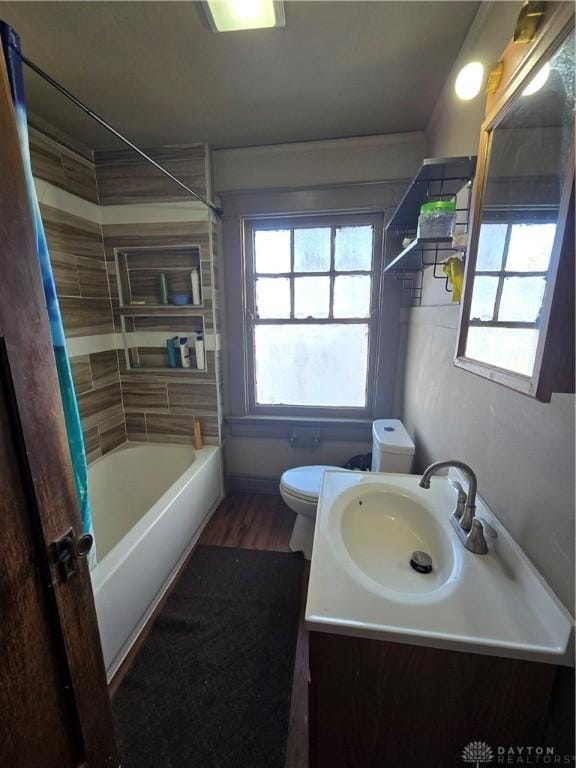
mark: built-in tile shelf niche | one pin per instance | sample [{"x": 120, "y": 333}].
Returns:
[
  {"x": 145, "y": 336},
  {"x": 139, "y": 273}
]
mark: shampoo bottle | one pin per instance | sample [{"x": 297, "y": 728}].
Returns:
[
  {"x": 195, "y": 279},
  {"x": 172, "y": 354},
  {"x": 184, "y": 352},
  {"x": 197, "y": 435},
  {"x": 200, "y": 357}
]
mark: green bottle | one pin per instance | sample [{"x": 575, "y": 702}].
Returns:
[{"x": 163, "y": 288}]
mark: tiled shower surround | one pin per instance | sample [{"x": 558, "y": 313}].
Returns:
[{"x": 90, "y": 210}]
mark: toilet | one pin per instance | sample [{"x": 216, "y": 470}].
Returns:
[{"x": 392, "y": 451}]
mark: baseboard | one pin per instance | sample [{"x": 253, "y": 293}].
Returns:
[
  {"x": 251, "y": 484},
  {"x": 123, "y": 661}
]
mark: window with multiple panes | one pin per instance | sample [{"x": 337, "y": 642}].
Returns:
[
  {"x": 312, "y": 301},
  {"x": 509, "y": 284}
]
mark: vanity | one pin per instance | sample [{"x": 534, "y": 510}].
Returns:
[
  {"x": 408, "y": 665},
  {"x": 433, "y": 645}
]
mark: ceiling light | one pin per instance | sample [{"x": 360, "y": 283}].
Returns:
[
  {"x": 469, "y": 81},
  {"x": 233, "y": 15},
  {"x": 537, "y": 81}
]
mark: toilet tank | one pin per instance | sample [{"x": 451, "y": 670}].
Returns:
[{"x": 392, "y": 447}]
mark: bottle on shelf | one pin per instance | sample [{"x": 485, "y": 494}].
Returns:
[
  {"x": 195, "y": 280},
  {"x": 200, "y": 356},
  {"x": 172, "y": 346},
  {"x": 163, "y": 288},
  {"x": 184, "y": 352}
]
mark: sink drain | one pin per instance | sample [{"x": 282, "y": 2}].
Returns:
[{"x": 421, "y": 562}]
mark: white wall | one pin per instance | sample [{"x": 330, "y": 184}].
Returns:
[
  {"x": 522, "y": 450},
  {"x": 454, "y": 126},
  {"x": 318, "y": 163}
]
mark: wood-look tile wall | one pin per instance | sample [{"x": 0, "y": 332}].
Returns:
[
  {"x": 61, "y": 167},
  {"x": 216, "y": 240},
  {"x": 97, "y": 383},
  {"x": 125, "y": 177},
  {"x": 160, "y": 404},
  {"x": 115, "y": 403},
  {"x": 79, "y": 266},
  {"x": 77, "y": 257}
]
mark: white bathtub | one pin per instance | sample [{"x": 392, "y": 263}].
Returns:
[{"x": 149, "y": 505}]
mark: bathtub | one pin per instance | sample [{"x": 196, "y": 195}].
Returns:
[{"x": 149, "y": 505}]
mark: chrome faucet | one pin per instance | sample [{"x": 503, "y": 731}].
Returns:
[{"x": 469, "y": 529}]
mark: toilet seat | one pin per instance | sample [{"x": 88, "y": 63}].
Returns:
[
  {"x": 304, "y": 482},
  {"x": 392, "y": 451}
]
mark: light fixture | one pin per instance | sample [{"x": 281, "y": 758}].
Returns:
[
  {"x": 469, "y": 81},
  {"x": 234, "y": 15},
  {"x": 537, "y": 81}
]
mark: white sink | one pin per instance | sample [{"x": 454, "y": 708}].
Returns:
[
  {"x": 381, "y": 528},
  {"x": 368, "y": 526}
]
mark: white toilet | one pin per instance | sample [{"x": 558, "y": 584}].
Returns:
[{"x": 392, "y": 451}]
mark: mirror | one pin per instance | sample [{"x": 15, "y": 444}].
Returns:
[{"x": 518, "y": 224}]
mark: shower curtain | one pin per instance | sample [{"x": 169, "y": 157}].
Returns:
[{"x": 11, "y": 48}]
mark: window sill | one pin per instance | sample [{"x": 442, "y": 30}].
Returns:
[{"x": 352, "y": 430}]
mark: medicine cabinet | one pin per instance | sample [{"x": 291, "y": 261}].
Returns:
[{"x": 517, "y": 315}]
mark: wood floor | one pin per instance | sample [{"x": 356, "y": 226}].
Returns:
[
  {"x": 250, "y": 521},
  {"x": 254, "y": 521}
]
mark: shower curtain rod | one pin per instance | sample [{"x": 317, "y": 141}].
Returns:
[{"x": 45, "y": 76}]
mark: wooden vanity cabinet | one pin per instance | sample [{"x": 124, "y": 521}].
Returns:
[{"x": 376, "y": 704}]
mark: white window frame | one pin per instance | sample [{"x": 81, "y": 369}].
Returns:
[{"x": 372, "y": 321}]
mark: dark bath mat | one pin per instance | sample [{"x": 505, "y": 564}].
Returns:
[{"x": 210, "y": 687}]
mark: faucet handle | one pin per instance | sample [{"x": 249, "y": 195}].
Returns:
[
  {"x": 461, "y": 492},
  {"x": 489, "y": 529},
  {"x": 475, "y": 541},
  {"x": 462, "y": 499}
]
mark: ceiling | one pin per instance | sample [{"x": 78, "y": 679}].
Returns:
[{"x": 158, "y": 73}]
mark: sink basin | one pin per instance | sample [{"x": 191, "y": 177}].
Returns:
[
  {"x": 368, "y": 525},
  {"x": 381, "y": 528}
]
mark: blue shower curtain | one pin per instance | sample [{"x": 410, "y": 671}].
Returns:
[{"x": 11, "y": 48}]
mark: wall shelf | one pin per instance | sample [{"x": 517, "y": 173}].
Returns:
[
  {"x": 438, "y": 177},
  {"x": 144, "y": 338},
  {"x": 412, "y": 258},
  {"x": 139, "y": 269},
  {"x": 162, "y": 310}
]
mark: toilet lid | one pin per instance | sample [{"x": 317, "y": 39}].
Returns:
[{"x": 304, "y": 482}]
